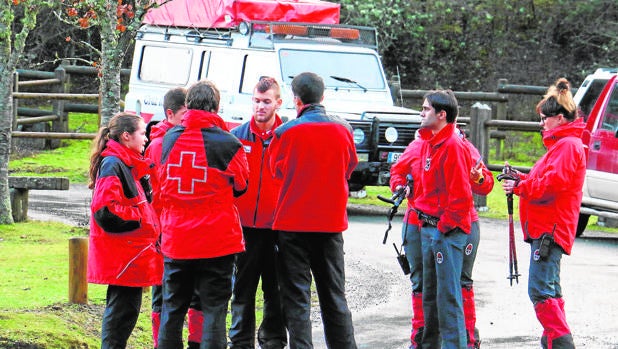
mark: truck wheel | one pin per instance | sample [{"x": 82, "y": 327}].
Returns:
[{"x": 582, "y": 222}]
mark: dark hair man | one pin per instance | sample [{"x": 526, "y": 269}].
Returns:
[
  {"x": 443, "y": 206},
  {"x": 313, "y": 156},
  {"x": 203, "y": 167}
]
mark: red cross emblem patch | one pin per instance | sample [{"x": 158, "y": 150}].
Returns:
[{"x": 186, "y": 172}]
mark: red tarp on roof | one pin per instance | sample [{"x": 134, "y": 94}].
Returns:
[{"x": 229, "y": 13}]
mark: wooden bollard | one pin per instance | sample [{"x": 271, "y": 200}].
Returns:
[{"x": 78, "y": 266}]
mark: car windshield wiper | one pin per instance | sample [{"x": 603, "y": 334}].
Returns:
[{"x": 349, "y": 81}]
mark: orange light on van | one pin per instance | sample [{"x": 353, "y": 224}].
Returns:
[
  {"x": 286, "y": 29},
  {"x": 344, "y": 33}
]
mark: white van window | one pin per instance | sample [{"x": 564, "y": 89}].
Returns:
[
  {"x": 338, "y": 69},
  {"x": 223, "y": 70},
  {"x": 156, "y": 67},
  {"x": 255, "y": 67}
]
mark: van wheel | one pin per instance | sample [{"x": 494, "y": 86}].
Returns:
[{"x": 582, "y": 222}]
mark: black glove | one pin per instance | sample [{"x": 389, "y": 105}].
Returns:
[{"x": 145, "y": 182}]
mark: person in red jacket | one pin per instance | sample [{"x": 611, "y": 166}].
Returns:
[
  {"x": 443, "y": 206},
  {"x": 256, "y": 209},
  {"x": 203, "y": 167},
  {"x": 549, "y": 199},
  {"x": 313, "y": 156},
  {"x": 174, "y": 107},
  {"x": 124, "y": 228},
  {"x": 481, "y": 182}
]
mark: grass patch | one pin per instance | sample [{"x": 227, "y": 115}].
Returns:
[{"x": 34, "y": 308}]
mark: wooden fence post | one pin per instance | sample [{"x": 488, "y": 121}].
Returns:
[
  {"x": 78, "y": 266},
  {"x": 61, "y": 124},
  {"x": 479, "y": 136}
]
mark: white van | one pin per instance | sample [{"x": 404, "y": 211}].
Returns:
[{"x": 235, "y": 58}]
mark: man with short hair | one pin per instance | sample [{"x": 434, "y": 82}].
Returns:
[
  {"x": 313, "y": 156},
  {"x": 174, "y": 108},
  {"x": 443, "y": 205},
  {"x": 202, "y": 168},
  {"x": 256, "y": 209}
]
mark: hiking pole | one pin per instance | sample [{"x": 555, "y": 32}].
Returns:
[
  {"x": 513, "y": 272},
  {"x": 395, "y": 200}
]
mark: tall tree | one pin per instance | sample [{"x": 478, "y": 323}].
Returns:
[{"x": 17, "y": 18}]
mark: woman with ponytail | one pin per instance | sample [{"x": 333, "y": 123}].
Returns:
[
  {"x": 549, "y": 200},
  {"x": 124, "y": 227}
]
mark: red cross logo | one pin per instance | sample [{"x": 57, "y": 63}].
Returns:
[{"x": 186, "y": 173}]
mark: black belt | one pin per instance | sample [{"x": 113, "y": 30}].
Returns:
[{"x": 427, "y": 219}]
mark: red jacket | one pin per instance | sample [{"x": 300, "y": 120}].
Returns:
[
  {"x": 257, "y": 205},
  {"x": 445, "y": 179},
  {"x": 314, "y": 156},
  {"x": 408, "y": 163},
  {"x": 123, "y": 225},
  {"x": 202, "y": 168},
  {"x": 551, "y": 194},
  {"x": 153, "y": 152}
]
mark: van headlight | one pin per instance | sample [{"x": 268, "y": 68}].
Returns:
[
  {"x": 359, "y": 136},
  {"x": 391, "y": 134}
]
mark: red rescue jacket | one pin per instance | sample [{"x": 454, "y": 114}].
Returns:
[
  {"x": 408, "y": 163},
  {"x": 257, "y": 205},
  {"x": 202, "y": 168},
  {"x": 314, "y": 156},
  {"x": 445, "y": 179},
  {"x": 551, "y": 194},
  {"x": 123, "y": 225}
]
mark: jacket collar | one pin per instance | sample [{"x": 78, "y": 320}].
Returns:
[
  {"x": 571, "y": 129},
  {"x": 264, "y": 135},
  {"x": 139, "y": 165},
  {"x": 194, "y": 118}
]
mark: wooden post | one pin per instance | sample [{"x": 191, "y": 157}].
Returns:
[
  {"x": 78, "y": 265},
  {"x": 62, "y": 123},
  {"x": 479, "y": 136}
]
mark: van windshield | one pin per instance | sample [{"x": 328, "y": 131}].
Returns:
[{"x": 338, "y": 69}]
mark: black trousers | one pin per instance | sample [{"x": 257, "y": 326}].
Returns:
[
  {"x": 302, "y": 255},
  {"x": 258, "y": 261},
  {"x": 122, "y": 304},
  {"x": 212, "y": 277}
]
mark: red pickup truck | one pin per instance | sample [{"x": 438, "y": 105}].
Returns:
[{"x": 598, "y": 100}]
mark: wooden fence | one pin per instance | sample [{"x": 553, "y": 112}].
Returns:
[
  {"x": 487, "y": 119},
  {"x": 62, "y": 102}
]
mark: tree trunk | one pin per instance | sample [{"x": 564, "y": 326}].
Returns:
[
  {"x": 112, "y": 54},
  {"x": 6, "y": 123}
]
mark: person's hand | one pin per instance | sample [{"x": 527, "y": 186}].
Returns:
[
  {"x": 508, "y": 185},
  {"x": 406, "y": 189},
  {"x": 476, "y": 173}
]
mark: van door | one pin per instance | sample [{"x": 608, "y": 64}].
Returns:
[{"x": 602, "y": 172}]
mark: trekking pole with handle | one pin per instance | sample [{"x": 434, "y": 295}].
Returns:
[
  {"x": 513, "y": 272},
  {"x": 396, "y": 200}
]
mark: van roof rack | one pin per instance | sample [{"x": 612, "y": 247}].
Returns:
[
  {"x": 219, "y": 36},
  {"x": 264, "y": 34}
]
